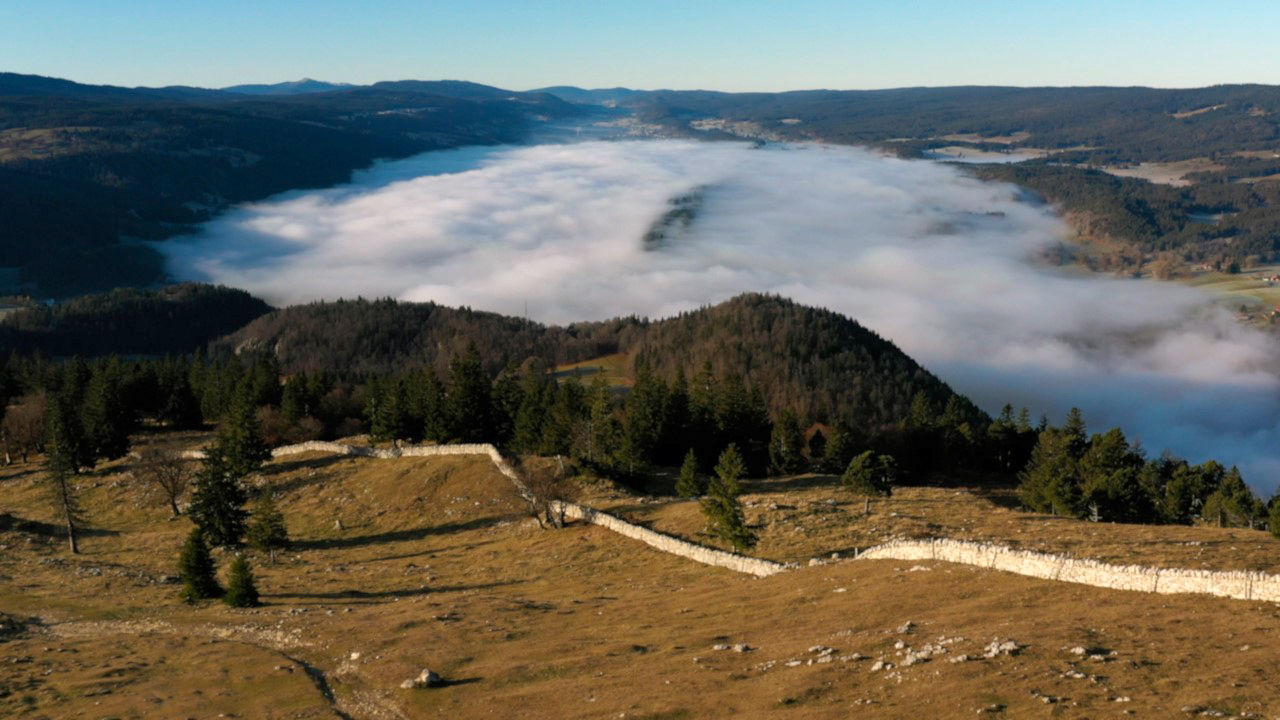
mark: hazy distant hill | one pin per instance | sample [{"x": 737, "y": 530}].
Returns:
[
  {"x": 820, "y": 363},
  {"x": 592, "y": 97},
  {"x": 1129, "y": 123},
  {"x": 295, "y": 87},
  {"x": 83, "y": 166}
]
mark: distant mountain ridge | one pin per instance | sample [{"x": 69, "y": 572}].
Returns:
[{"x": 293, "y": 87}]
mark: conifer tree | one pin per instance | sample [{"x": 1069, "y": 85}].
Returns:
[
  {"x": 786, "y": 445},
  {"x": 217, "y": 503},
  {"x": 388, "y": 419},
  {"x": 239, "y": 441},
  {"x": 871, "y": 473},
  {"x": 1051, "y": 481},
  {"x": 689, "y": 485},
  {"x": 1273, "y": 517},
  {"x": 241, "y": 592},
  {"x": 267, "y": 532},
  {"x": 468, "y": 400},
  {"x": 840, "y": 448},
  {"x": 106, "y": 416},
  {"x": 196, "y": 569},
  {"x": 720, "y": 505}
]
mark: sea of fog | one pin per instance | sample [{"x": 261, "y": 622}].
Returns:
[{"x": 947, "y": 267}]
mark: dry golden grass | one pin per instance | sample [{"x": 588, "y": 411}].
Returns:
[
  {"x": 612, "y": 367},
  {"x": 435, "y": 567},
  {"x": 811, "y": 515}
]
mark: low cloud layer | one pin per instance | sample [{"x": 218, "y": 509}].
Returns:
[{"x": 941, "y": 264}]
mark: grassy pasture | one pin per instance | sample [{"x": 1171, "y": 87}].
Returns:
[{"x": 435, "y": 566}]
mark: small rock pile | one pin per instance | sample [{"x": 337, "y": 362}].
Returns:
[{"x": 426, "y": 679}]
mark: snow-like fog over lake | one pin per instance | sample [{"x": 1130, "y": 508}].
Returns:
[{"x": 944, "y": 265}]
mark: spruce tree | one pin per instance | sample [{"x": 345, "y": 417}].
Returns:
[
  {"x": 689, "y": 485},
  {"x": 241, "y": 590},
  {"x": 239, "y": 441},
  {"x": 267, "y": 532},
  {"x": 720, "y": 505},
  {"x": 468, "y": 402},
  {"x": 197, "y": 570},
  {"x": 105, "y": 414},
  {"x": 786, "y": 445},
  {"x": 1273, "y": 517}
]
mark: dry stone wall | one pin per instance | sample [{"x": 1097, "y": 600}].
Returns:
[
  {"x": 1241, "y": 585},
  {"x": 1233, "y": 584}
]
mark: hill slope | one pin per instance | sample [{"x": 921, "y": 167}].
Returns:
[
  {"x": 84, "y": 167},
  {"x": 817, "y": 362}
]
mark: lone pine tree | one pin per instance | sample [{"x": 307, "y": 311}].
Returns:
[
  {"x": 217, "y": 505},
  {"x": 241, "y": 589},
  {"x": 721, "y": 506},
  {"x": 196, "y": 569},
  {"x": 689, "y": 485},
  {"x": 267, "y": 532}
]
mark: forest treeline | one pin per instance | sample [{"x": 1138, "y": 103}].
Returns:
[
  {"x": 177, "y": 319},
  {"x": 89, "y": 410}
]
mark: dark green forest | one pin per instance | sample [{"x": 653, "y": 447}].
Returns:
[{"x": 84, "y": 168}]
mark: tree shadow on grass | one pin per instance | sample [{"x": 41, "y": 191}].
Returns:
[
  {"x": 795, "y": 482},
  {"x": 396, "y": 535},
  {"x": 36, "y": 527},
  {"x": 381, "y": 594}
]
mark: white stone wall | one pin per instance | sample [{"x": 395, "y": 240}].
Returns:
[
  {"x": 1233, "y": 584},
  {"x": 1241, "y": 585},
  {"x": 665, "y": 543}
]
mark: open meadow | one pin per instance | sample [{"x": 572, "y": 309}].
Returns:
[{"x": 403, "y": 564}]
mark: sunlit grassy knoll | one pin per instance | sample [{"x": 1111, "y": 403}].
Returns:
[
  {"x": 612, "y": 367},
  {"x": 435, "y": 566}
]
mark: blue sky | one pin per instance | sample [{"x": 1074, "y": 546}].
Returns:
[{"x": 712, "y": 44}]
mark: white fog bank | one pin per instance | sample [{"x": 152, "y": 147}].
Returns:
[{"x": 937, "y": 262}]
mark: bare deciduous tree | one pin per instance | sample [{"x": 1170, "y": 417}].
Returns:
[
  {"x": 167, "y": 470},
  {"x": 23, "y": 427},
  {"x": 546, "y": 487}
]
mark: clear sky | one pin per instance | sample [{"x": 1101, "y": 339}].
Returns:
[{"x": 712, "y": 44}]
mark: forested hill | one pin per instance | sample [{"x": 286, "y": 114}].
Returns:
[
  {"x": 83, "y": 167},
  {"x": 818, "y": 363},
  {"x": 175, "y": 320},
  {"x": 1118, "y": 123}
]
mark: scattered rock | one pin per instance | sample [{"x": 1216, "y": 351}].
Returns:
[
  {"x": 426, "y": 679},
  {"x": 1077, "y": 650},
  {"x": 720, "y": 646},
  {"x": 906, "y": 627},
  {"x": 742, "y": 647},
  {"x": 878, "y": 666},
  {"x": 996, "y": 648}
]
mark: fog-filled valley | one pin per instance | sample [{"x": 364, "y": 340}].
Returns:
[{"x": 961, "y": 274}]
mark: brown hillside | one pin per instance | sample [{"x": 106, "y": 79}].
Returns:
[{"x": 435, "y": 567}]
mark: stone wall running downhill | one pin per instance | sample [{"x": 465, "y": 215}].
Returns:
[{"x": 1233, "y": 584}]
